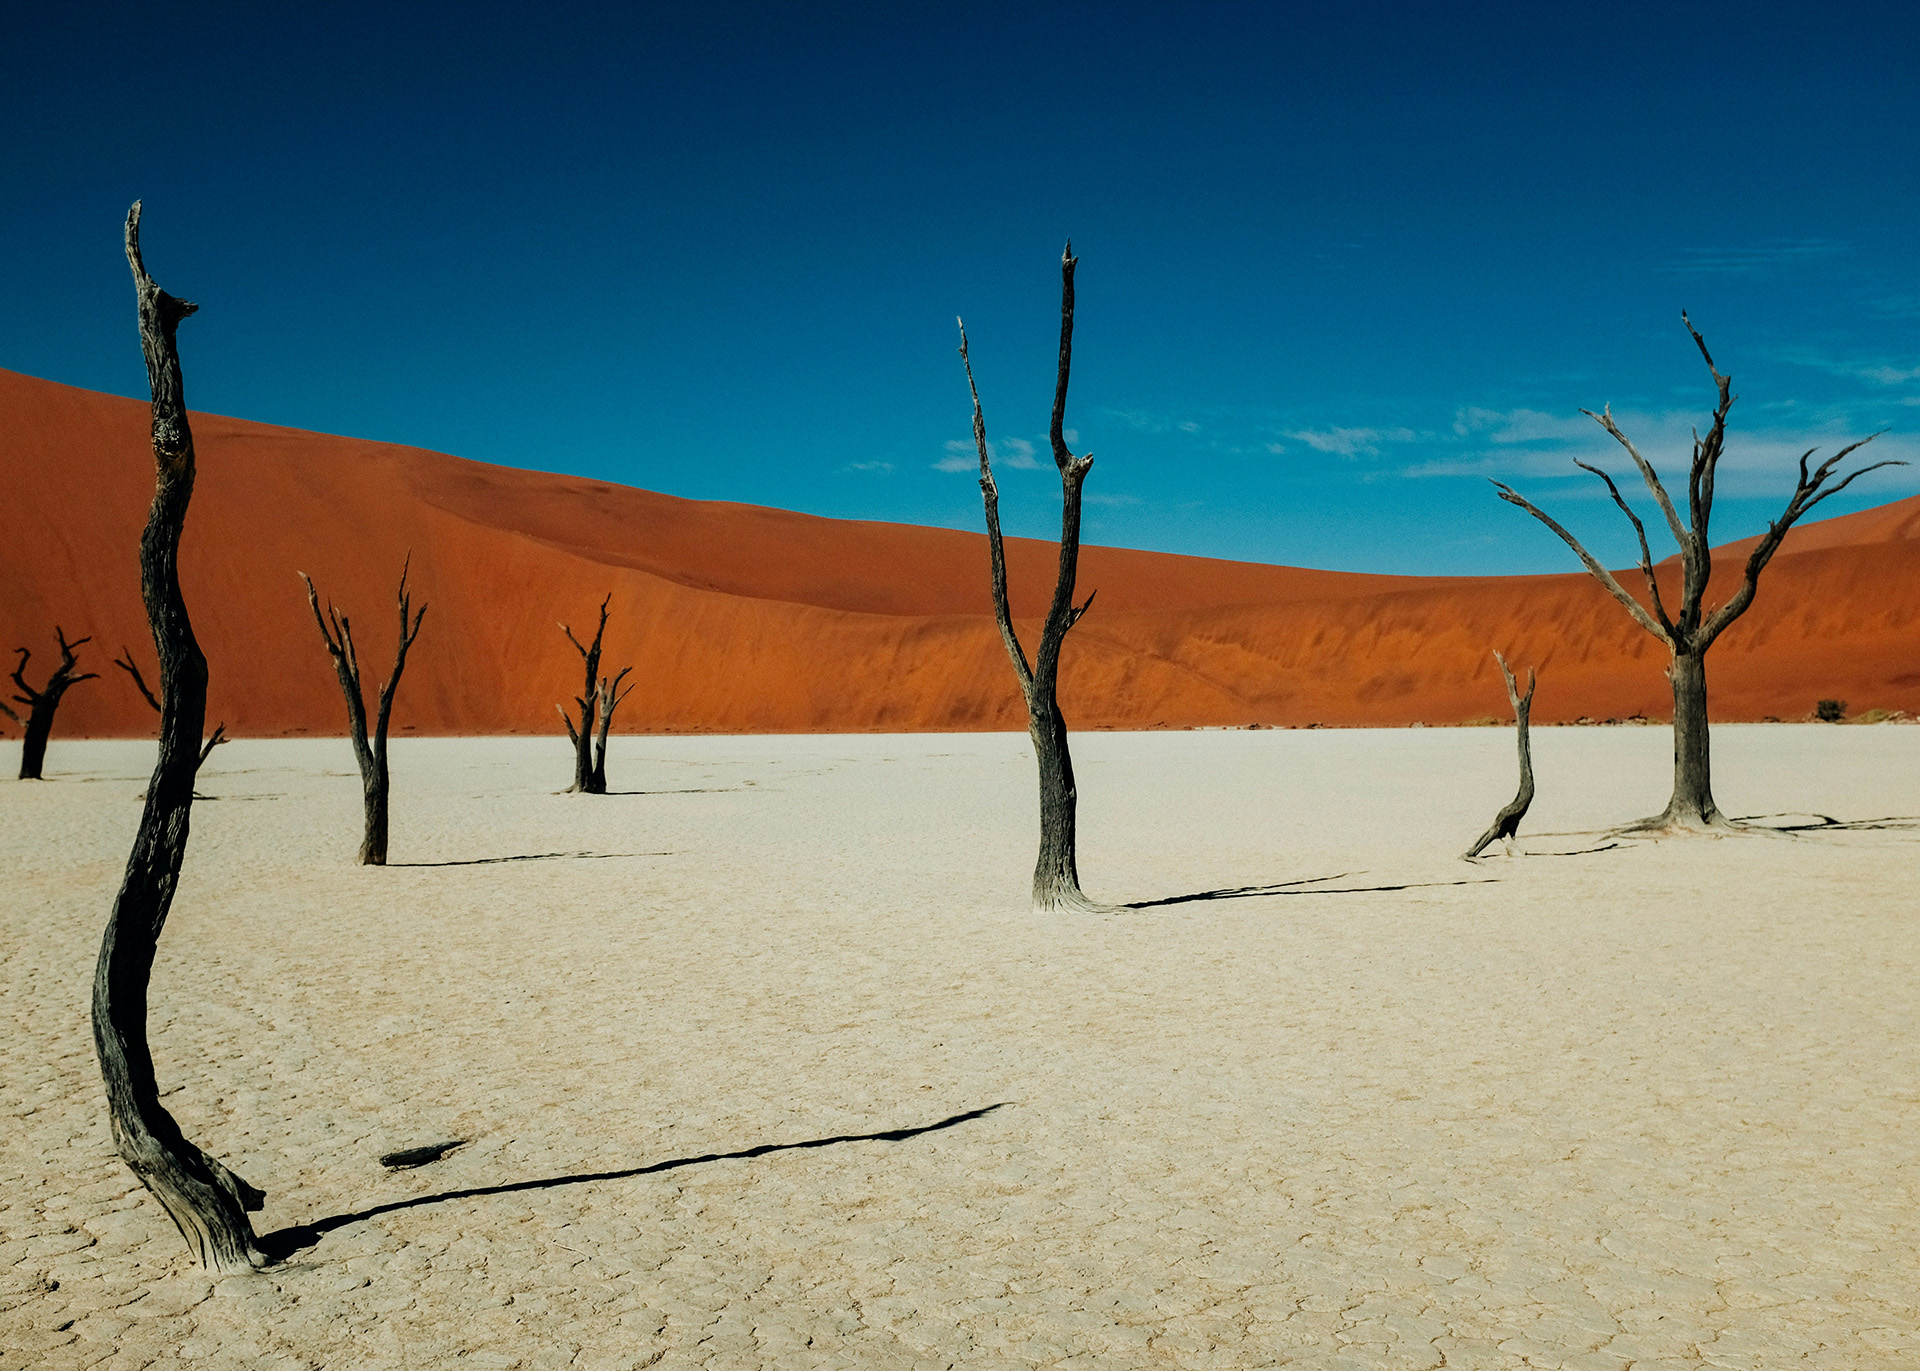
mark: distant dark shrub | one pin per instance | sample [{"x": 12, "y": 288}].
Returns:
[{"x": 1830, "y": 711}]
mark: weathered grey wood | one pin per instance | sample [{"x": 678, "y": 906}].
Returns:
[
  {"x": 337, "y": 632},
  {"x": 126, "y": 663},
  {"x": 42, "y": 703},
  {"x": 1688, "y": 636},
  {"x": 1056, "y": 877},
  {"x": 582, "y": 737},
  {"x": 207, "y": 1201},
  {"x": 1506, "y": 824},
  {"x": 607, "y": 698}
]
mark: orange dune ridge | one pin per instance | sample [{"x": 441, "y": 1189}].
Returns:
[{"x": 738, "y": 618}]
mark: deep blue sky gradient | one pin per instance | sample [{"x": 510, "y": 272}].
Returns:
[{"x": 1339, "y": 263}]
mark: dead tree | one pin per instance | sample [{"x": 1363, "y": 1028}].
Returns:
[
  {"x": 207, "y": 1201},
  {"x": 43, "y": 702},
  {"x": 1056, "y": 878},
  {"x": 1689, "y": 634},
  {"x": 337, "y": 633},
  {"x": 126, "y": 663},
  {"x": 607, "y": 698},
  {"x": 582, "y": 736},
  {"x": 1506, "y": 824}
]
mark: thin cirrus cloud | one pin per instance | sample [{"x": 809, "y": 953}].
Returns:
[
  {"x": 1754, "y": 259},
  {"x": 1347, "y": 442},
  {"x": 875, "y": 468},
  {"x": 1016, "y": 453},
  {"x": 1525, "y": 444}
]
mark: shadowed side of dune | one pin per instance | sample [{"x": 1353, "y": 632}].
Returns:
[{"x": 741, "y": 618}]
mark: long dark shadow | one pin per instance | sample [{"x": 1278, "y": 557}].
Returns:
[
  {"x": 1826, "y": 823},
  {"x": 1255, "y": 892},
  {"x": 698, "y": 790},
  {"x": 534, "y": 857},
  {"x": 285, "y": 1242}
]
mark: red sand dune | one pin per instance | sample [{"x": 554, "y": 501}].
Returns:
[{"x": 739, "y": 618}]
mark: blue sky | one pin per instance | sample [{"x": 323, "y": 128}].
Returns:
[{"x": 1339, "y": 263}]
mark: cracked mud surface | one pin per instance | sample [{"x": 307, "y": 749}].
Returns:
[{"x": 1652, "y": 1107}]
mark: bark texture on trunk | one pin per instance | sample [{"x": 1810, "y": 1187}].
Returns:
[
  {"x": 371, "y": 754},
  {"x": 1694, "y": 629},
  {"x": 1691, "y": 806},
  {"x": 207, "y": 1201},
  {"x": 1056, "y": 877},
  {"x": 607, "y": 698},
  {"x": 1506, "y": 824},
  {"x": 41, "y": 703}
]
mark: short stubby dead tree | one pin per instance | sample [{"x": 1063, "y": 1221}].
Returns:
[
  {"x": 1056, "y": 877},
  {"x": 337, "y": 633},
  {"x": 1506, "y": 824},
  {"x": 38, "y": 725},
  {"x": 1689, "y": 633},
  {"x": 126, "y": 663},
  {"x": 208, "y": 1202},
  {"x": 597, "y": 698}
]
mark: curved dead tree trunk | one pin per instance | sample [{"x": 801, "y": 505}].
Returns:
[
  {"x": 126, "y": 663},
  {"x": 582, "y": 737},
  {"x": 606, "y": 698},
  {"x": 1056, "y": 878},
  {"x": 1695, "y": 628},
  {"x": 337, "y": 633},
  {"x": 43, "y": 702},
  {"x": 208, "y": 1202},
  {"x": 1506, "y": 824}
]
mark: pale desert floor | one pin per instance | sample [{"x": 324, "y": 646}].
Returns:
[{"x": 1657, "y": 1106}]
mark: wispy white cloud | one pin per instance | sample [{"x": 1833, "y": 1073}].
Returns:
[
  {"x": 1752, "y": 259},
  {"x": 1526, "y": 445},
  {"x": 1878, "y": 370},
  {"x": 1348, "y": 442},
  {"x": 878, "y": 468},
  {"x": 1016, "y": 453},
  {"x": 1101, "y": 498}
]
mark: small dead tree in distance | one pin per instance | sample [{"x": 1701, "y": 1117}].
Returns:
[
  {"x": 43, "y": 702},
  {"x": 1506, "y": 824},
  {"x": 1056, "y": 878},
  {"x": 208, "y": 1202},
  {"x": 1695, "y": 629},
  {"x": 126, "y": 663},
  {"x": 337, "y": 633},
  {"x": 585, "y": 781}
]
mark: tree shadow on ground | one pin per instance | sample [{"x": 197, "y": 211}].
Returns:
[
  {"x": 534, "y": 857},
  {"x": 1255, "y": 892},
  {"x": 698, "y": 790},
  {"x": 285, "y": 1242},
  {"x": 1826, "y": 823}
]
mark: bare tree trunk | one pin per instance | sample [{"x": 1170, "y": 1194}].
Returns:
[
  {"x": 1506, "y": 824},
  {"x": 607, "y": 698},
  {"x": 42, "y": 703},
  {"x": 1692, "y": 805},
  {"x": 1056, "y": 877},
  {"x": 126, "y": 663},
  {"x": 1690, "y": 633},
  {"x": 584, "y": 781},
  {"x": 337, "y": 632},
  {"x": 208, "y": 1202}
]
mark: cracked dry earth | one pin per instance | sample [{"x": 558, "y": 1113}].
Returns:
[{"x": 1651, "y": 1107}]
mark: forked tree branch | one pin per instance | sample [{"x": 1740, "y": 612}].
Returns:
[
  {"x": 996, "y": 549},
  {"x": 1646, "y": 553},
  {"x": 125, "y": 662},
  {"x": 1598, "y": 572}
]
